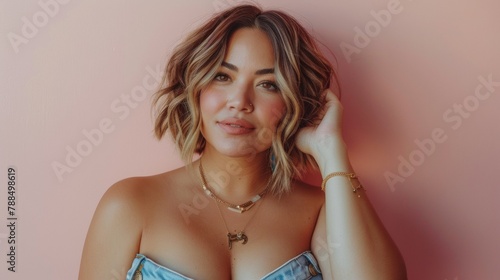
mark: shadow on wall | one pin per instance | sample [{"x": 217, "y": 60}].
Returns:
[{"x": 376, "y": 130}]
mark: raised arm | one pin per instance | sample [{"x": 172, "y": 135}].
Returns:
[
  {"x": 114, "y": 234},
  {"x": 349, "y": 241}
]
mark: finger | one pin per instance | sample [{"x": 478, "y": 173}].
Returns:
[
  {"x": 330, "y": 100},
  {"x": 330, "y": 96}
]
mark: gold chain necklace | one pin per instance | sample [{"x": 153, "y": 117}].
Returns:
[
  {"x": 240, "y": 236},
  {"x": 241, "y": 208}
]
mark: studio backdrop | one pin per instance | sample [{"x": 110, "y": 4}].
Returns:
[{"x": 420, "y": 85}]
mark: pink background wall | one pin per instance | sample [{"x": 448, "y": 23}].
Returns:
[{"x": 421, "y": 126}]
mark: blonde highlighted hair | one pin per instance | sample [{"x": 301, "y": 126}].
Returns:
[{"x": 302, "y": 75}]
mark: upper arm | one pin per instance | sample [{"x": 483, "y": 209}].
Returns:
[
  {"x": 387, "y": 263},
  {"x": 114, "y": 234}
]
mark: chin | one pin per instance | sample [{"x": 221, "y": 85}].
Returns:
[
  {"x": 248, "y": 152},
  {"x": 236, "y": 146},
  {"x": 240, "y": 150}
]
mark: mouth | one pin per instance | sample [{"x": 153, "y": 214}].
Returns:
[{"x": 236, "y": 126}]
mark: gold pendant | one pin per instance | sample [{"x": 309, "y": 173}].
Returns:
[
  {"x": 241, "y": 208},
  {"x": 240, "y": 236}
]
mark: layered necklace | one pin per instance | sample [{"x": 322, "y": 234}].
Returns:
[{"x": 240, "y": 236}]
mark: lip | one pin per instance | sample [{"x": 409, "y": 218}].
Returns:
[{"x": 235, "y": 126}]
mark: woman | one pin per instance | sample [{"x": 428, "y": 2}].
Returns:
[{"x": 248, "y": 92}]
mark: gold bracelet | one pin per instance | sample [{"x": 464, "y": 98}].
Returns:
[{"x": 349, "y": 175}]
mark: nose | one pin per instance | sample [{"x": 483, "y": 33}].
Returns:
[{"x": 240, "y": 99}]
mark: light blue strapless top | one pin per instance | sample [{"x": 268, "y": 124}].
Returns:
[{"x": 301, "y": 267}]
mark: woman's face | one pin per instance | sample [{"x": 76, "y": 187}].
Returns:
[{"x": 242, "y": 106}]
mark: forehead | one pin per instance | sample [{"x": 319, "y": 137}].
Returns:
[{"x": 250, "y": 47}]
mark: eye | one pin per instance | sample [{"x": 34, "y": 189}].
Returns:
[
  {"x": 221, "y": 77},
  {"x": 271, "y": 86}
]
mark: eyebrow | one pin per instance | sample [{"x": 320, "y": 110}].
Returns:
[{"x": 258, "y": 72}]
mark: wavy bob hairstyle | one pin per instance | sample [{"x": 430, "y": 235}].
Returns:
[{"x": 302, "y": 75}]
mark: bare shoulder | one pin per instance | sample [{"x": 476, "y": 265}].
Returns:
[
  {"x": 121, "y": 208},
  {"x": 128, "y": 193},
  {"x": 115, "y": 233},
  {"x": 134, "y": 195}
]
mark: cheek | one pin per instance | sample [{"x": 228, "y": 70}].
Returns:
[
  {"x": 210, "y": 102},
  {"x": 275, "y": 112},
  {"x": 272, "y": 114}
]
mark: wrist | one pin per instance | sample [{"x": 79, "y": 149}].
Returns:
[{"x": 333, "y": 158}]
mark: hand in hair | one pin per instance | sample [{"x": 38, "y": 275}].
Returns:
[{"x": 325, "y": 138}]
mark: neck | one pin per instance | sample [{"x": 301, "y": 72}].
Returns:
[{"x": 236, "y": 178}]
